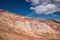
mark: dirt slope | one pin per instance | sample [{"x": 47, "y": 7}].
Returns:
[{"x": 17, "y": 27}]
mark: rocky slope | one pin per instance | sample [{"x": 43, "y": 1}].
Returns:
[{"x": 17, "y": 27}]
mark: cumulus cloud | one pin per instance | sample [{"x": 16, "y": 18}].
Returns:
[{"x": 45, "y": 6}]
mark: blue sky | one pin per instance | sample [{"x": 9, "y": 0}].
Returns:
[{"x": 22, "y": 7}]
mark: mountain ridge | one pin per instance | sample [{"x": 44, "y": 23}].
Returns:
[{"x": 17, "y": 27}]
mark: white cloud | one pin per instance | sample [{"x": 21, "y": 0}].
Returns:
[
  {"x": 44, "y": 6},
  {"x": 33, "y": 2},
  {"x": 57, "y": 0}
]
